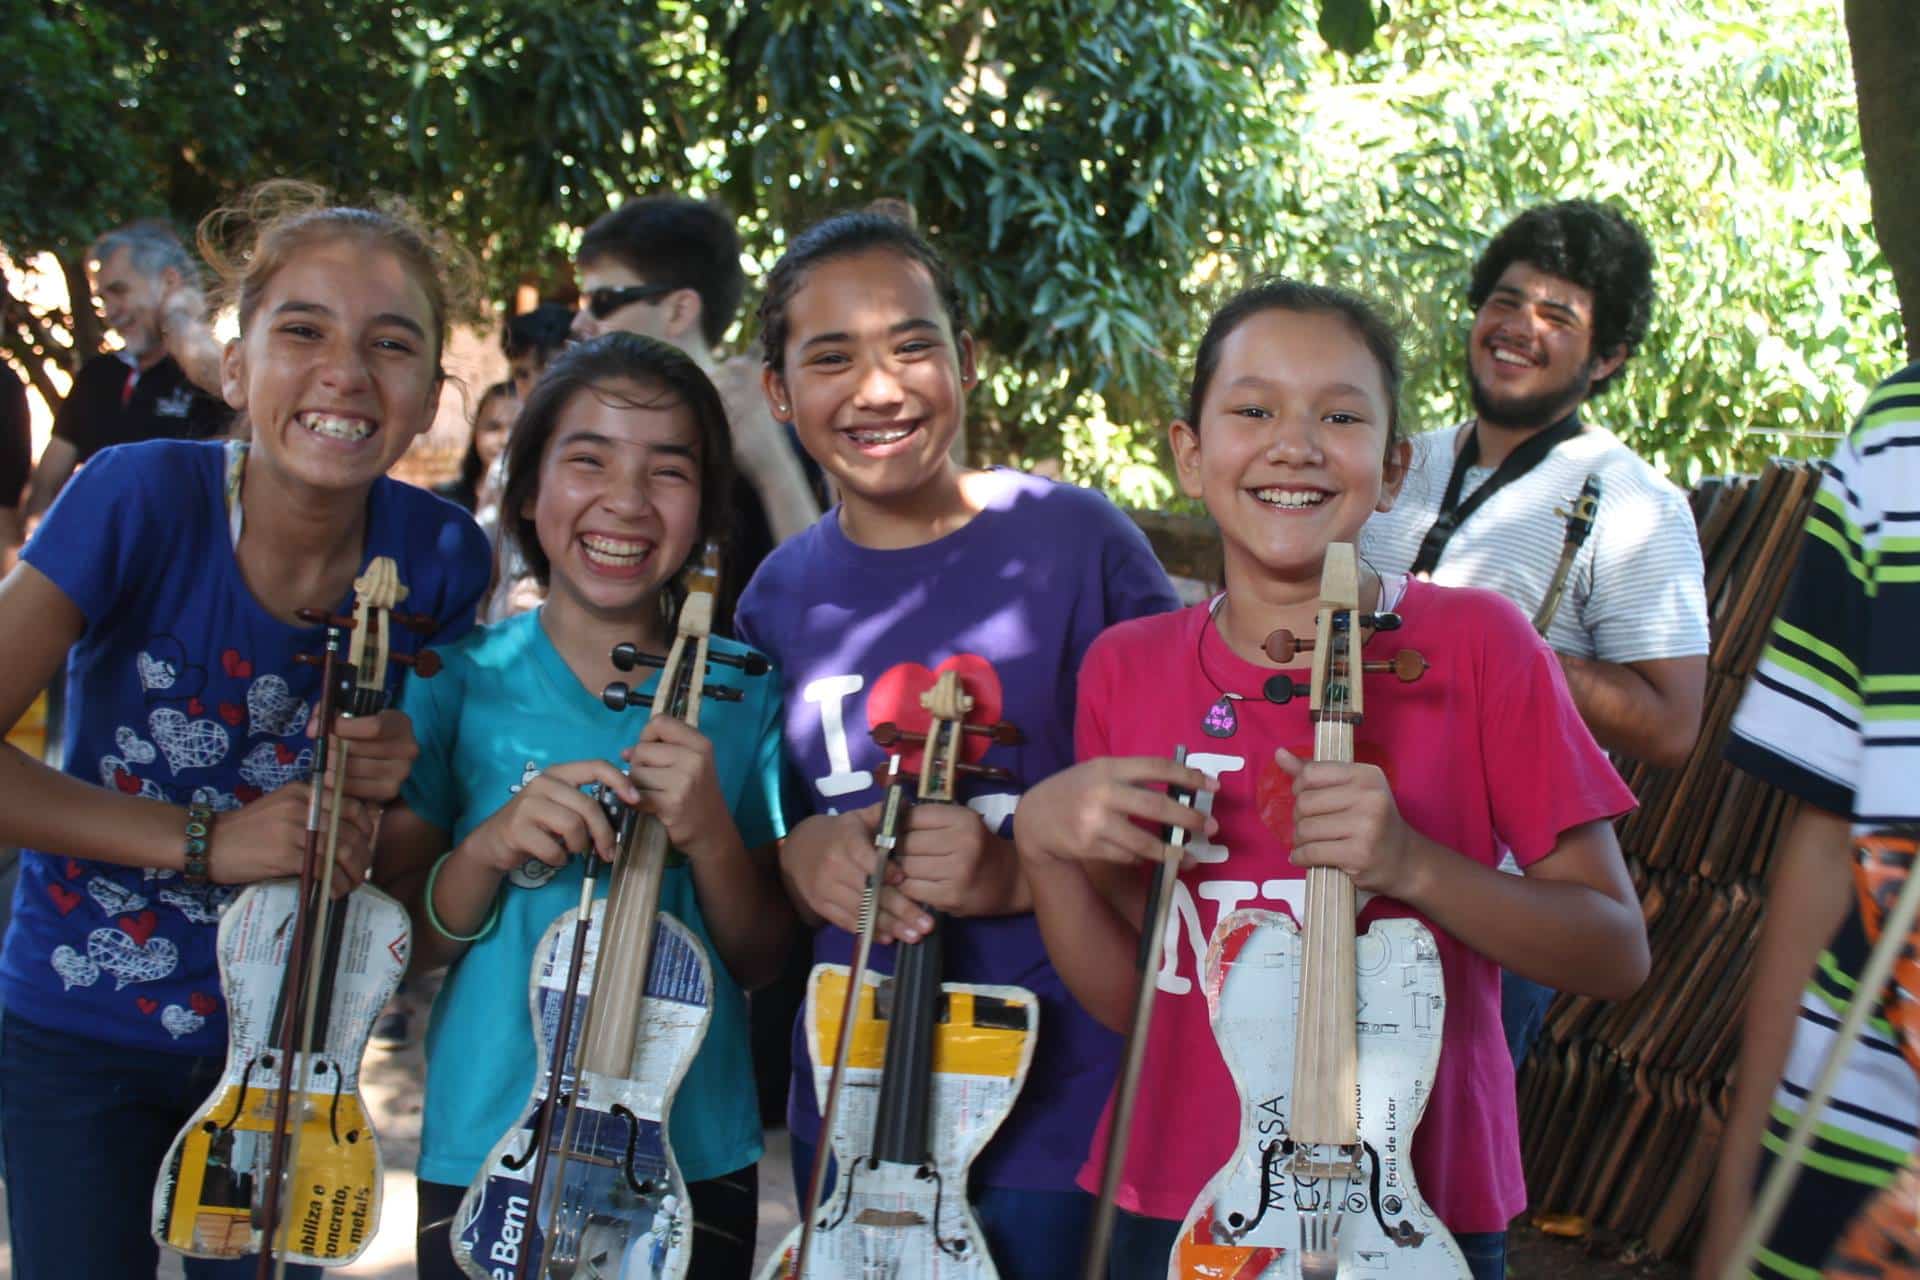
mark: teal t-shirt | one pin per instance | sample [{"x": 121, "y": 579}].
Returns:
[{"x": 504, "y": 707}]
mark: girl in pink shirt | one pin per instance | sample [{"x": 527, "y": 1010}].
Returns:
[{"x": 1291, "y": 438}]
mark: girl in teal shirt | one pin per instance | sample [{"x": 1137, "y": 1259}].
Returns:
[{"x": 617, "y": 470}]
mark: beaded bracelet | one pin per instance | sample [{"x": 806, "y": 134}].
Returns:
[
  {"x": 199, "y": 824},
  {"x": 433, "y": 917}
]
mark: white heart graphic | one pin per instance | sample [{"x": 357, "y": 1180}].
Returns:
[
  {"x": 133, "y": 746},
  {"x": 215, "y": 799},
  {"x": 187, "y": 744},
  {"x": 129, "y": 962},
  {"x": 75, "y": 970},
  {"x": 200, "y": 904},
  {"x": 155, "y": 674},
  {"x": 113, "y": 897},
  {"x": 261, "y": 767},
  {"x": 110, "y": 768},
  {"x": 273, "y": 710},
  {"x": 180, "y": 1020}
]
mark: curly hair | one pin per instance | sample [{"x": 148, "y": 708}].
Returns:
[
  {"x": 248, "y": 241},
  {"x": 1593, "y": 246}
]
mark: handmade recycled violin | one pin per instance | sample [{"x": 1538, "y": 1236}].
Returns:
[
  {"x": 914, "y": 1074},
  {"x": 1579, "y": 516},
  {"x": 585, "y": 1184},
  {"x": 1332, "y": 1041},
  {"x": 282, "y": 1161}
]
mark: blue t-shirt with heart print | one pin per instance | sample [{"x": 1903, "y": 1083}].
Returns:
[{"x": 182, "y": 687}]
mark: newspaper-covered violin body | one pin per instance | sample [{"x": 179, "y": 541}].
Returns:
[
  {"x": 915, "y": 1074},
  {"x": 282, "y": 1160}
]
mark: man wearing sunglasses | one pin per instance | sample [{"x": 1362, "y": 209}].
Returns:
[{"x": 669, "y": 268}]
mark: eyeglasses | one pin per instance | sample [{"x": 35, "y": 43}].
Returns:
[{"x": 604, "y": 302}]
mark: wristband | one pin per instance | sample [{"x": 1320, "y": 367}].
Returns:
[
  {"x": 199, "y": 828},
  {"x": 433, "y": 917}
]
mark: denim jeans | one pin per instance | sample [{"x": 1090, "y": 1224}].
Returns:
[
  {"x": 1142, "y": 1246},
  {"x": 1523, "y": 1011},
  {"x": 1032, "y": 1235},
  {"x": 84, "y": 1126}
]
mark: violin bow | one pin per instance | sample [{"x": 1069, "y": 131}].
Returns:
[
  {"x": 885, "y": 841},
  {"x": 377, "y": 593},
  {"x": 1153, "y": 935}
]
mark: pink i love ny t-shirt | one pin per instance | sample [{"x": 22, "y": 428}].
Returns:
[{"x": 1485, "y": 751}]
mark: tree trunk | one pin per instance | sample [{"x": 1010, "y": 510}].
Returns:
[
  {"x": 89, "y": 337},
  {"x": 1886, "y": 67}
]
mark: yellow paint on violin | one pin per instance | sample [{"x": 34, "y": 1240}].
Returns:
[
  {"x": 329, "y": 1210},
  {"x": 960, "y": 1047}
]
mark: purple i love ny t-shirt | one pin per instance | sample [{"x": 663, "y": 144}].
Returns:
[{"x": 1014, "y": 597}]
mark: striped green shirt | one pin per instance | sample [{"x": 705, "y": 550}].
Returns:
[{"x": 1833, "y": 716}]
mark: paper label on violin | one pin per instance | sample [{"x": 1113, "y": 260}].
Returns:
[
  {"x": 893, "y": 1219},
  {"x": 618, "y": 1198},
  {"x": 1250, "y": 1219},
  {"x": 211, "y": 1186}
]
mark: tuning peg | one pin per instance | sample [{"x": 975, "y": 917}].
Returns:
[
  {"x": 324, "y": 618},
  {"x": 752, "y": 664},
  {"x": 889, "y": 733},
  {"x": 619, "y": 697},
  {"x": 627, "y": 656},
  {"x": 309, "y": 659},
  {"x": 722, "y": 693},
  {"x": 425, "y": 664},
  {"x": 1282, "y": 688},
  {"x": 1003, "y": 734},
  {"x": 992, "y": 773},
  {"x": 1380, "y": 621},
  {"x": 420, "y": 623},
  {"x": 1406, "y": 666},
  {"x": 1283, "y": 646}
]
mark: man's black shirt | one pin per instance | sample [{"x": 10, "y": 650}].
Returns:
[{"x": 103, "y": 410}]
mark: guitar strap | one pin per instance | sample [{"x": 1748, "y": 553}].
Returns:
[{"x": 1454, "y": 512}]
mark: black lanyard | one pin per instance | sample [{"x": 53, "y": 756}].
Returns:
[{"x": 1454, "y": 513}]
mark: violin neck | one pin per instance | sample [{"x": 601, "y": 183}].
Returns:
[
  {"x": 1324, "y": 1091},
  {"x": 620, "y": 973},
  {"x": 906, "y": 1081}
]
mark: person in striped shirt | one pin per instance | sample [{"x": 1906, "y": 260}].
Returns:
[
  {"x": 1562, "y": 297},
  {"x": 1832, "y": 716}
]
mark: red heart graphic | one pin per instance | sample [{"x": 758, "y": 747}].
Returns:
[
  {"x": 139, "y": 927},
  {"x": 1273, "y": 790},
  {"x": 195, "y": 707},
  {"x": 203, "y": 1004},
  {"x": 236, "y": 666},
  {"x": 283, "y": 753},
  {"x": 146, "y": 1006},
  {"x": 896, "y": 698},
  {"x": 63, "y": 898},
  {"x": 246, "y": 794},
  {"x": 233, "y": 713},
  {"x": 74, "y": 869},
  {"x": 126, "y": 782}
]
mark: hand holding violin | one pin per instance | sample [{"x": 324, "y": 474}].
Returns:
[
  {"x": 1093, "y": 811},
  {"x": 950, "y": 862},
  {"x": 1344, "y": 816},
  {"x": 381, "y": 751},
  {"x": 826, "y": 859},
  {"x": 550, "y": 819},
  {"x": 672, "y": 765},
  {"x": 267, "y": 839}
]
